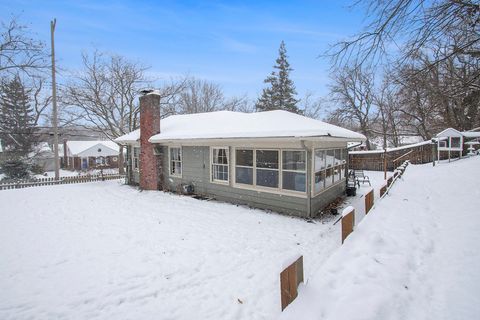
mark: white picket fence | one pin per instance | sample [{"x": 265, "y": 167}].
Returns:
[{"x": 36, "y": 182}]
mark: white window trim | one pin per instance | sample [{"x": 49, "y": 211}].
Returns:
[
  {"x": 254, "y": 187},
  {"x": 342, "y": 180},
  {"x": 296, "y": 171},
  {"x": 224, "y": 182},
  {"x": 137, "y": 169},
  {"x": 170, "y": 162}
]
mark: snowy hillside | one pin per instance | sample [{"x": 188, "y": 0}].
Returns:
[{"x": 415, "y": 256}]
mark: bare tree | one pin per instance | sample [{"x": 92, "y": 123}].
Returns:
[
  {"x": 312, "y": 107},
  {"x": 196, "y": 95},
  {"x": 19, "y": 52},
  {"x": 388, "y": 120},
  {"x": 352, "y": 91},
  {"x": 104, "y": 94},
  {"x": 200, "y": 96},
  {"x": 411, "y": 25}
]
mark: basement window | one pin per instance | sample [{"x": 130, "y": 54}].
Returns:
[{"x": 175, "y": 161}]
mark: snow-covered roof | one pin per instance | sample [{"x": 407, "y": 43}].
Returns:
[
  {"x": 230, "y": 124},
  {"x": 471, "y": 134},
  {"x": 131, "y": 137},
  {"x": 78, "y": 147},
  {"x": 450, "y": 132}
]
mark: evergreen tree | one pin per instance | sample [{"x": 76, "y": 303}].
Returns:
[
  {"x": 17, "y": 121},
  {"x": 280, "y": 93}
]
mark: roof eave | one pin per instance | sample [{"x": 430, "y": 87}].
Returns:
[{"x": 306, "y": 138}]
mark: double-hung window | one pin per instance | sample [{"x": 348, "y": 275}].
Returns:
[
  {"x": 267, "y": 168},
  {"x": 294, "y": 170},
  {"x": 244, "y": 166},
  {"x": 220, "y": 164},
  {"x": 320, "y": 165},
  {"x": 330, "y": 164},
  {"x": 175, "y": 161},
  {"x": 455, "y": 142},
  {"x": 136, "y": 154}
]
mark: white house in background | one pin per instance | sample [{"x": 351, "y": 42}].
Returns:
[
  {"x": 452, "y": 141},
  {"x": 84, "y": 155}
]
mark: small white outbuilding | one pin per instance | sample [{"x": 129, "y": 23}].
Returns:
[{"x": 451, "y": 140}]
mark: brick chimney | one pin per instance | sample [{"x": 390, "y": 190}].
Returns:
[{"x": 149, "y": 126}]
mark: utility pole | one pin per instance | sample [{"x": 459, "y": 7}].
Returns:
[{"x": 54, "y": 103}]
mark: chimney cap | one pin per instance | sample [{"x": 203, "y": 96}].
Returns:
[{"x": 147, "y": 91}]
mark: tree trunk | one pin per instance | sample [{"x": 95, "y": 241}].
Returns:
[{"x": 121, "y": 162}]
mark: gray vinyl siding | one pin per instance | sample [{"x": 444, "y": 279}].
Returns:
[
  {"x": 323, "y": 199},
  {"x": 136, "y": 177},
  {"x": 196, "y": 171}
]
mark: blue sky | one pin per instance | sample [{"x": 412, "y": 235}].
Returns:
[{"x": 231, "y": 43}]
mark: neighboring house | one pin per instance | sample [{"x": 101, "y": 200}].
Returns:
[
  {"x": 451, "y": 141},
  {"x": 273, "y": 160},
  {"x": 84, "y": 155}
]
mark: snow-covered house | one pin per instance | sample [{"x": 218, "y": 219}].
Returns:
[
  {"x": 273, "y": 160},
  {"x": 83, "y": 155}
]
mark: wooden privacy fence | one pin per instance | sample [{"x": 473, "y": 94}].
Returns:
[
  {"x": 369, "y": 201},
  {"x": 25, "y": 183},
  {"x": 374, "y": 160},
  {"x": 348, "y": 222},
  {"x": 290, "y": 278}
]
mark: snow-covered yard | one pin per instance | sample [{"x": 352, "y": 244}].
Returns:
[
  {"x": 107, "y": 251},
  {"x": 415, "y": 256}
]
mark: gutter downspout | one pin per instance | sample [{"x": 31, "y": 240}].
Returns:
[{"x": 309, "y": 182}]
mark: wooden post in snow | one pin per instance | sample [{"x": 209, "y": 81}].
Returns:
[
  {"x": 389, "y": 181},
  {"x": 368, "y": 201},
  {"x": 290, "y": 278},
  {"x": 348, "y": 221},
  {"x": 383, "y": 189}
]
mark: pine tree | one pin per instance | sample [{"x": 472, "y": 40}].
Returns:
[
  {"x": 16, "y": 118},
  {"x": 280, "y": 93}
]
